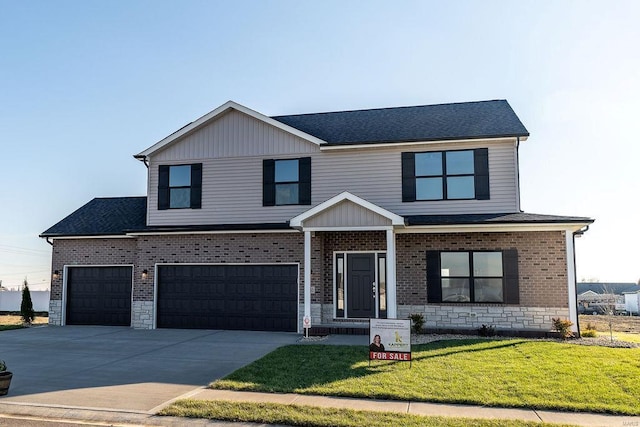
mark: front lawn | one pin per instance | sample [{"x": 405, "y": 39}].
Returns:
[
  {"x": 12, "y": 321},
  {"x": 513, "y": 373},
  {"x": 309, "y": 416}
]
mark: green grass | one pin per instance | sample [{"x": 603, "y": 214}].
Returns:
[
  {"x": 297, "y": 415},
  {"x": 511, "y": 373},
  {"x": 9, "y": 327}
]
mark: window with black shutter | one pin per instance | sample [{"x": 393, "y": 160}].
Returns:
[
  {"x": 180, "y": 186},
  {"x": 473, "y": 277},
  {"x": 286, "y": 182},
  {"x": 445, "y": 175}
]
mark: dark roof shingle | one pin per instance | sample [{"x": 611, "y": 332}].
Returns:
[
  {"x": 103, "y": 217},
  {"x": 466, "y": 120},
  {"x": 500, "y": 218}
]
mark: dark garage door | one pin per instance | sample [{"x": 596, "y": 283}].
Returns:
[
  {"x": 99, "y": 296},
  {"x": 247, "y": 297}
]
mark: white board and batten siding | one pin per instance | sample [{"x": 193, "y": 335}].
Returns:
[
  {"x": 232, "y": 149},
  {"x": 347, "y": 214}
]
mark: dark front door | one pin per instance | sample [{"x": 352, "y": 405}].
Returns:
[
  {"x": 99, "y": 296},
  {"x": 361, "y": 276},
  {"x": 247, "y": 297}
]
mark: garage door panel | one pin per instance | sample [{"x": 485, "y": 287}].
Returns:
[
  {"x": 240, "y": 297},
  {"x": 99, "y": 296}
]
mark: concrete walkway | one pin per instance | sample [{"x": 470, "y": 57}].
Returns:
[
  {"x": 114, "y": 417},
  {"x": 425, "y": 409}
]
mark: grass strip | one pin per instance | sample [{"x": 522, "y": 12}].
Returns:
[
  {"x": 508, "y": 373},
  {"x": 9, "y": 327},
  {"x": 311, "y": 416}
]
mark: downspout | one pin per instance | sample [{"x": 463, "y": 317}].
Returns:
[
  {"x": 518, "y": 170},
  {"x": 143, "y": 159},
  {"x": 48, "y": 241},
  {"x": 578, "y": 233}
]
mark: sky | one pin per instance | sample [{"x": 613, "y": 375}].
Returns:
[{"x": 85, "y": 85}]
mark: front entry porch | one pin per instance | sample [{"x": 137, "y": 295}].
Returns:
[{"x": 349, "y": 247}]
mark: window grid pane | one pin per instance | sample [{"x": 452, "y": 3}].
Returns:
[
  {"x": 287, "y": 194},
  {"x": 286, "y": 171},
  {"x": 429, "y": 189},
  {"x": 180, "y": 197},
  {"x": 454, "y": 264},
  {"x": 180, "y": 176},
  {"x": 459, "y": 162},
  {"x": 461, "y": 187},
  {"x": 428, "y": 164},
  {"x": 488, "y": 290}
]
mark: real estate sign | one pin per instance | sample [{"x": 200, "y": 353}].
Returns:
[{"x": 390, "y": 339}]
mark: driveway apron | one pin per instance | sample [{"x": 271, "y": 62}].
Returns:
[{"x": 123, "y": 369}]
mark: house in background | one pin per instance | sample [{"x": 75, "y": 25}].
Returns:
[
  {"x": 254, "y": 222},
  {"x": 594, "y": 297}
]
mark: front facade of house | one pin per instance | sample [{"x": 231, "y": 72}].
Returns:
[{"x": 255, "y": 222}]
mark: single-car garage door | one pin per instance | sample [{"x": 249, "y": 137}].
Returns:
[
  {"x": 248, "y": 297},
  {"x": 99, "y": 296}
]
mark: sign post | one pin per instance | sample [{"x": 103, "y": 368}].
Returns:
[
  {"x": 306, "y": 324},
  {"x": 390, "y": 339}
]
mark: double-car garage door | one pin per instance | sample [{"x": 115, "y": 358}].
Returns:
[
  {"x": 224, "y": 296},
  {"x": 246, "y": 296}
]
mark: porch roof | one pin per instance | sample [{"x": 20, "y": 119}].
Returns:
[{"x": 346, "y": 211}]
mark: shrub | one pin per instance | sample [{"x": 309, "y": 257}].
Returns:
[
  {"x": 487, "y": 331},
  {"x": 589, "y": 333},
  {"x": 26, "y": 307},
  {"x": 563, "y": 327},
  {"x": 417, "y": 320}
]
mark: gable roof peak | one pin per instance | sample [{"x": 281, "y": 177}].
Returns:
[{"x": 213, "y": 114}]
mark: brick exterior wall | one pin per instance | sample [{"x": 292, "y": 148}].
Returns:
[
  {"x": 542, "y": 263},
  {"x": 541, "y": 259},
  {"x": 89, "y": 252}
]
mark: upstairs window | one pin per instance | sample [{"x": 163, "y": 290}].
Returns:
[
  {"x": 445, "y": 175},
  {"x": 286, "y": 182},
  {"x": 180, "y": 186}
]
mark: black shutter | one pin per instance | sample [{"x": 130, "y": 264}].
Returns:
[
  {"x": 268, "y": 182},
  {"x": 408, "y": 177},
  {"x": 434, "y": 287},
  {"x": 511, "y": 278},
  {"x": 481, "y": 166},
  {"x": 163, "y": 187},
  {"x": 196, "y": 186},
  {"x": 304, "y": 175}
]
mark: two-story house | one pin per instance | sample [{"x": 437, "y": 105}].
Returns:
[{"x": 256, "y": 222}]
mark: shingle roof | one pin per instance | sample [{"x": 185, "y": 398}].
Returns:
[
  {"x": 121, "y": 215},
  {"x": 103, "y": 217},
  {"x": 500, "y": 218},
  {"x": 466, "y": 120}
]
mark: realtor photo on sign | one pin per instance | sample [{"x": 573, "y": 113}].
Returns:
[{"x": 390, "y": 339}]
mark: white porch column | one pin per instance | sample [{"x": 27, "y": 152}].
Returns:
[
  {"x": 571, "y": 279},
  {"x": 392, "y": 304},
  {"x": 307, "y": 273}
]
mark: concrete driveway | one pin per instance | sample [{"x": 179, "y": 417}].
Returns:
[{"x": 123, "y": 369}]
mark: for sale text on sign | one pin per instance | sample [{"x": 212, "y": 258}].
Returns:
[{"x": 390, "y": 339}]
